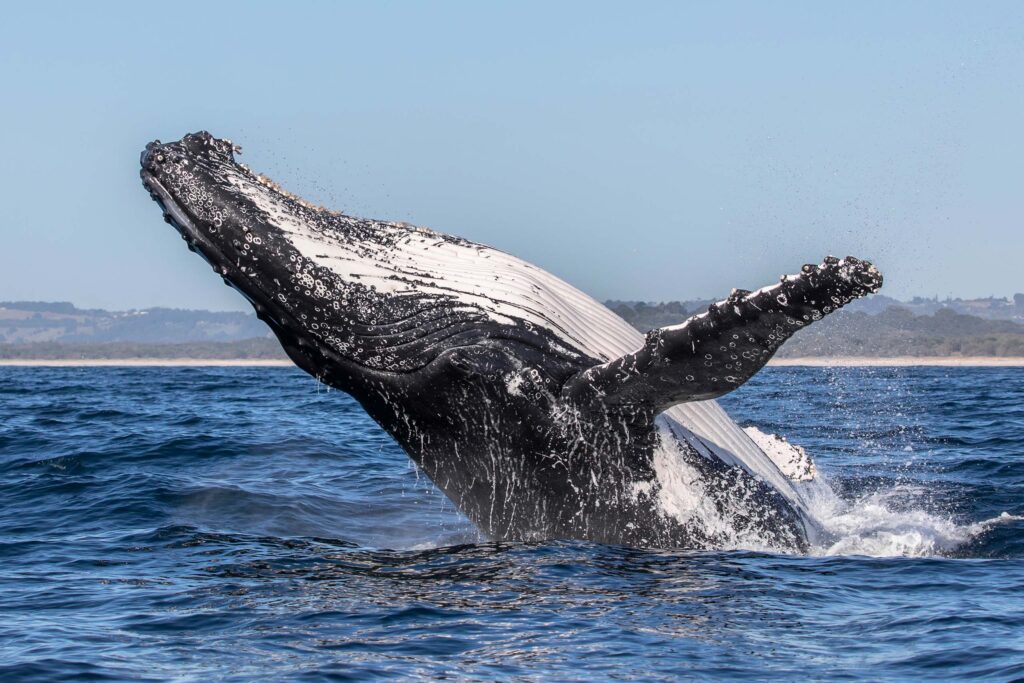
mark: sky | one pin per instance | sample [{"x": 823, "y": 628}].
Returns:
[{"x": 638, "y": 150}]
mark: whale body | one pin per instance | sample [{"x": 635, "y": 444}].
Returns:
[{"x": 539, "y": 412}]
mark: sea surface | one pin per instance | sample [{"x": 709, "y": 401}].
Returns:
[{"x": 246, "y": 524}]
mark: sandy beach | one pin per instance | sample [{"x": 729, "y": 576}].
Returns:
[
  {"x": 974, "y": 361},
  {"x": 948, "y": 361}
]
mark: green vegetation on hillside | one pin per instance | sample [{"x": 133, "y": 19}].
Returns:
[
  {"x": 248, "y": 349},
  {"x": 23, "y": 322},
  {"x": 895, "y": 331}
]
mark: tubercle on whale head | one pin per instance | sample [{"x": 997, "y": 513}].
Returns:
[
  {"x": 205, "y": 157},
  {"x": 164, "y": 161},
  {"x": 208, "y": 198},
  {"x": 191, "y": 180},
  {"x": 159, "y": 158},
  {"x": 188, "y": 179}
]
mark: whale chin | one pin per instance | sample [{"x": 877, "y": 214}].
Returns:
[
  {"x": 537, "y": 410},
  {"x": 177, "y": 218},
  {"x": 303, "y": 351},
  {"x": 197, "y": 241}
]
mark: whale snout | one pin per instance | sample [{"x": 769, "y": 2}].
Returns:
[
  {"x": 866, "y": 278},
  {"x": 186, "y": 178},
  {"x": 146, "y": 158},
  {"x": 213, "y": 204},
  {"x": 201, "y": 146},
  {"x": 155, "y": 157}
]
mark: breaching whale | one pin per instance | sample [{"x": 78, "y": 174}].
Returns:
[{"x": 535, "y": 409}]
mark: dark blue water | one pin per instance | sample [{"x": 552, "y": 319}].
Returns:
[{"x": 245, "y": 524}]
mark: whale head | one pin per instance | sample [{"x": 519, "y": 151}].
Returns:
[
  {"x": 214, "y": 203},
  {"x": 203, "y": 193},
  {"x": 346, "y": 296}
]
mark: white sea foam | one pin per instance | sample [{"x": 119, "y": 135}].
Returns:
[{"x": 886, "y": 523}]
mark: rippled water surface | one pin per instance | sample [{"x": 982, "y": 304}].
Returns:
[{"x": 247, "y": 524}]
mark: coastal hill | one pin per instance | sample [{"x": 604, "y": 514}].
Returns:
[
  {"x": 646, "y": 316},
  {"x": 895, "y": 331},
  {"x": 874, "y": 327},
  {"x": 24, "y": 322}
]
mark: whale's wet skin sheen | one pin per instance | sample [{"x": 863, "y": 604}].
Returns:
[{"x": 536, "y": 410}]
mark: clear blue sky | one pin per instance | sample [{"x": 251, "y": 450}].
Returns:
[{"x": 641, "y": 151}]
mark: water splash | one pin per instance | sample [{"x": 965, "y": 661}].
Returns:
[{"x": 886, "y": 522}]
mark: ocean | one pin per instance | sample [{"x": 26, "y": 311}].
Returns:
[{"x": 241, "y": 524}]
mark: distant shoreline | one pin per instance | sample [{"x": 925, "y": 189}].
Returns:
[{"x": 901, "y": 361}]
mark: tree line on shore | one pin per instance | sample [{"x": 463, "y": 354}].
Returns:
[{"x": 894, "y": 332}]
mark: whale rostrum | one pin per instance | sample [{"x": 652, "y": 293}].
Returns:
[{"x": 536, "y": 410}]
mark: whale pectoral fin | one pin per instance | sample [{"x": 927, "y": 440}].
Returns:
[{"x": 715, "y": 352}]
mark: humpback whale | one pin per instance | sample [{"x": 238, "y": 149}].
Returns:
[{"x": 539, "y": 412}]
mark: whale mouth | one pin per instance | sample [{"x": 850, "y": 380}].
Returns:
[
  {"x": 178, "y": 218},
  {"x": 198, "y": 242},
  {"x": 175, "y": 213}
]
